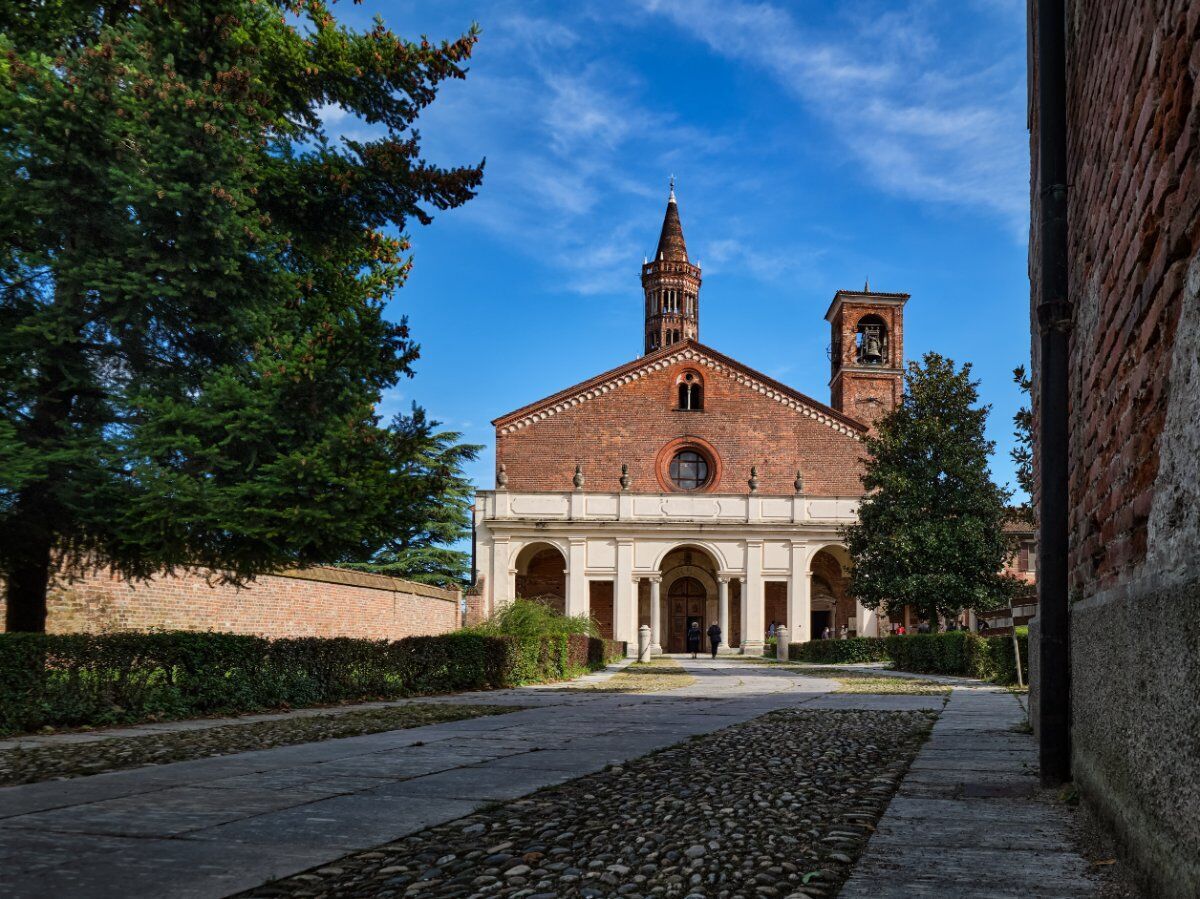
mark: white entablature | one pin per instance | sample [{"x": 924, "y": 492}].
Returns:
[{"x": 624, "y": 538}]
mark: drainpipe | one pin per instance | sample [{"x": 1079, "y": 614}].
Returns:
[{"x": 1054, "y": 325}]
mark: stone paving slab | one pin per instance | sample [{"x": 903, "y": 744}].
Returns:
[
  {"x": 209, "y": 827},
  {"x": 968, "y": 821}
]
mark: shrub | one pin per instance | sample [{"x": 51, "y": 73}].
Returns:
[
  {"x": 959, "y": 653},
  {"x": 534, "y": 618},
  {"x": 65, "y": 680},
  {"x": 855, "y": 649}
]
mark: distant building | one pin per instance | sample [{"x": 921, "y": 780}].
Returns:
[{"x": 685, "y": 486}]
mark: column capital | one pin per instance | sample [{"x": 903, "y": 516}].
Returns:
[
  {"x": 574, "y": 540},
  {"x": 654, "y": 578}
]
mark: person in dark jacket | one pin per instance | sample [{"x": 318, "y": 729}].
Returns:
[
  {"x": 714, "y": 637},
  {"x": 693, "y": 639}
]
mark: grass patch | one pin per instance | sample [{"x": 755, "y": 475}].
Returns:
[
  {"x": 867, "y": 681},
  {"x": 56, "y": 761},
  {"x": 654, "y": 676}
]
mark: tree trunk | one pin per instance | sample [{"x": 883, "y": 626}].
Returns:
[{"x": 25, "y": 594}]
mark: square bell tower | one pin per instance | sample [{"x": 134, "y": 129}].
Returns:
[{"x": 866, "y": 352}]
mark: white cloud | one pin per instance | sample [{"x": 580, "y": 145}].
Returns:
[{"x": 921, "y": 120}]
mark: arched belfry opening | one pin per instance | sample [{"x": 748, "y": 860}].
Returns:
[{"x": 871, "y": 341}]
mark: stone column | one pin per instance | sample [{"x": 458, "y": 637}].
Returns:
[
  {"x": 578, "y": 598},
  {"x": 723, "y": 610},
  {"x": 753, "y": 614},
  {"x": 655, "y": 615},
  {"x": 625, "y": 618},
  {"x": 866, "y": 621},
  {"x": 799, "y": 596}
]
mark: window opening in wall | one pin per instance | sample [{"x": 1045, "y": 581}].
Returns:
[
  {"x": 691, "y": 394},
  {"x": 689, "y": 470}
]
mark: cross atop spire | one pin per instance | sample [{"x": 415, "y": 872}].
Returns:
[{"x": 671, "y": 197}]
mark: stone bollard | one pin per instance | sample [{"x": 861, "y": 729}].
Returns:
[
  {"x": 781, "y": 644},
  {"x": 644, "y": 643}
]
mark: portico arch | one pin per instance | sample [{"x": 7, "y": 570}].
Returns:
[
  {"x": 832, "y": 607},
  {"x": 689, "y": 592},
  {"x": 541, "y": 573}
]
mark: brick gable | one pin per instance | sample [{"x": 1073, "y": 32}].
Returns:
[{"x": 629, "y": 416}]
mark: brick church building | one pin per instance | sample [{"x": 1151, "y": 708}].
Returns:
[{"x": 685, "y": 486}]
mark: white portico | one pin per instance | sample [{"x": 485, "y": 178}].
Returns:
[{"x": 742, "y": 561}]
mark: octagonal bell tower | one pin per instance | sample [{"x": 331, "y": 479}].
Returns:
[{"x": 671, "y": 286}]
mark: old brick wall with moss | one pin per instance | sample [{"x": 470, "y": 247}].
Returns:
[{"x": 1134, "y": 266}]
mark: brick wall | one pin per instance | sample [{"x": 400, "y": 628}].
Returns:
[
  {"x": 635, "y": 423},
  {"x": 866, "y": 395},
  {"x": 1134, "y": 451},
  {"x": 315, "y": 602}
]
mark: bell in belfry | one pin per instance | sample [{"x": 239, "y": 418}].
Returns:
[{"x": 872, "y": 348}]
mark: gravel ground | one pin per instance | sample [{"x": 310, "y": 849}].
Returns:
[
  {"x": 19, "y": 766},
  {"x": 654, "y": 676},
  {"x": 778, "y": 806}
]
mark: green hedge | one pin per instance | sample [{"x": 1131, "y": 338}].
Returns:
[
  {"x": 854, "y": 649},
  {"x": 959, "y": 653},
  {"x": 65, "y": 680}
]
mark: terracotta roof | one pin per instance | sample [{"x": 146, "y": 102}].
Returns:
[
  {"x": 581, "y": 391},
  {"x": 671, "y": 246}
]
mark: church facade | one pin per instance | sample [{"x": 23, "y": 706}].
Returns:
[{"x": 684, "y": 486}]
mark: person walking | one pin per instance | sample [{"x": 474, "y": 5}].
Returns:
[
  {"x": 693, "y": 639},
  {"x": 714, "y": 637}
]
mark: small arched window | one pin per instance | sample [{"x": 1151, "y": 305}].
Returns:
[{"x": 691, "y": 393}]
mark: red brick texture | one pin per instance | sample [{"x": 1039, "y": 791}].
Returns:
[
  {"x": 600, "y": 597},
  {"x": 865, "y": 392},
  {"x": 321, "y": 602},
  {"x": 632, "y": 423},
  {"x": 1134, "y": 201}
]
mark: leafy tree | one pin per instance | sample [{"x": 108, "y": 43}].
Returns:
[
  {"x": 432, "y": 510},
  {"x": 192, "y": 283},
  {"x": 930, "y": 532},
  {"x": 1022, "y": 451}
]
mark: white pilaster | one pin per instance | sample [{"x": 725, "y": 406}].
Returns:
[
  {"x": 502, "y": 582},
  {"x": 655, "y": 615},
  {"x": 723, "y": 610},
  {"x": 799, "y": 595},
  {"x": 753, "y": 599},
  {"x": 625, "y": 619},
  {"x": 866, "y": 621},
  {"x": 578, "y": 598}
]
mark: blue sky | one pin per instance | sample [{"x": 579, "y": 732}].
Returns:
[{"x": 814, "y": 144}]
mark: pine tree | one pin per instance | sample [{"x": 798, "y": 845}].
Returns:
[
  {"x": 930, "y": 532},
  {"x": 192, "y": 340},
  {"x": 433, "y": 512}
]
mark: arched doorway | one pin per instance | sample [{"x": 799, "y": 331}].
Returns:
[{"x": 687, "y": 601}]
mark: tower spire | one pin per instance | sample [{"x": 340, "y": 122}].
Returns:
[{"x": 671, "y": 284}]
